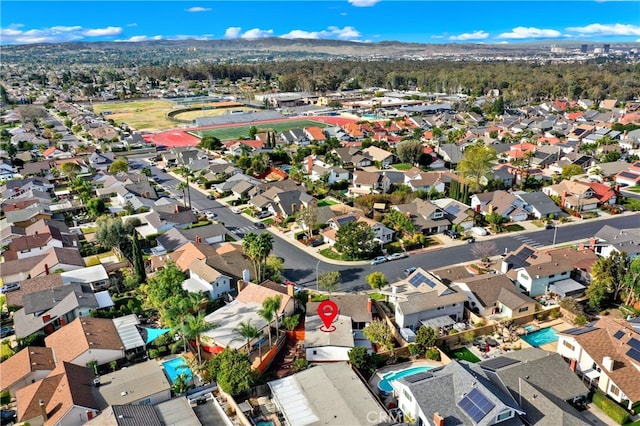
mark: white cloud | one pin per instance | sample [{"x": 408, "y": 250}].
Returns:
[
  {"x": 607, "y": 30},
  {"x": 101, "y": 32},
  {"x": 64, "y": 29},
  {"x": 363, "y": 3},
  {"x": 257, "y": 33},
  {"x": 476, "y": 35},
  {"x": 347, "y": 32},
  {"x": 137, "y": 38},
  {"x": 232, "y": 32},
  {"x": 196, "y": 9},
  {"x": 531, "y": 32},
  {"x": 301, "y": 34}
]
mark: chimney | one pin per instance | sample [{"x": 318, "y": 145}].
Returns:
[
  {"x": 607, "y": 363},
  {"x": 369, "y": 305},
  {"x": 43, "y": 410},
  {"x": 198, "y": 239},
  {"x": 438, "y": 420},
  {"x": 291, "y": 291},
  {"x": 46, "y": 269},
  {"x": 241, "y": 285},
  {"x": 592, "y": 243},
  {"x": 309, "y": 164},
  {"x": 176, "y": 209},
  {"x": 573, "y": 364},
  {"x": 309, "y": 298},
  {"x": 478, "y": 208}
]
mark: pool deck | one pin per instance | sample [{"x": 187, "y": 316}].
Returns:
[{"x": 373, "y": 381}]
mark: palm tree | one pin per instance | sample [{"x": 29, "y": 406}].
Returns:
[
  {"x": 193, "y": 326},
  {"x": 249, "y": 332},
  {"x": 270, "y": 307},
  {"x": 183, "y": 187},
  {"x": 257, "y": 248}
]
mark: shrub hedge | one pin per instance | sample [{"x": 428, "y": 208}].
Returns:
[{"x": 610, "y": 408}]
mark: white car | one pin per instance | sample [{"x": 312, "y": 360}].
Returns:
[
  {"x": 236, "y": 210},
  {"x": 479, "y": 231},
  {"x": 210, "y": 215}
]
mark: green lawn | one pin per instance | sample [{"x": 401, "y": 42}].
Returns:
[
  {"x": 635, "y": 189},
  {"x": 402, "y": 166},
  {"x": 237, "y": 132},
  {"x": 513, "y": 228},
  {"x": 377, "y": 296},
  {"x": 323, "y": 203},
  {"x": 464, "y": 354}
]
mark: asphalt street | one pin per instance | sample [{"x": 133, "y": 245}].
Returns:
[{"x": 302, "y": 267}]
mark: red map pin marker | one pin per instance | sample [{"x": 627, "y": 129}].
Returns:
[{"x": 328, "y": 311}]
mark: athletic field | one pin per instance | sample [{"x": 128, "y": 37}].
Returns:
[{"x": 238, "y": 132}]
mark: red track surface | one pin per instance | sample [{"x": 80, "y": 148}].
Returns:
[{"x": 180, "y": 137}]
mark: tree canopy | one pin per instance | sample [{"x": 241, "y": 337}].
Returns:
[
  {"x": 120, "y": 165},
  {"x": 330, "y": 281},
  {"x": 355, "y": 240},
  {"x": 476, "y": 164},
  {"x": 377, "y": 280}
]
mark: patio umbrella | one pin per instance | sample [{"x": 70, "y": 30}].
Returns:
[{"x": 488, "y": 348}]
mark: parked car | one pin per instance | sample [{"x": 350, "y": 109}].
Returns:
[
  {"x": 236, "y": 210},
  {"x": 470, "y": 240},
  {"x": 10, "y": 287},
  {"x": 316, "y": 243},
  {"x": 452, "y": 234},
  {"x": 7, "y": 416},
  {"x": 410, "y": 270},
  {"x": 479, "y": 231},
  {"x": 259, "y": 225},
  {"x": 396, "y": 256},
  {"x": 378, "y": 260},
  {"x": 210, "y": 197},
  {"x": 548, "y": 225},
  {"x": 6, "y": 331},
  {"x": 263, "y": 214},
  {"x": 210, "y": 215}
]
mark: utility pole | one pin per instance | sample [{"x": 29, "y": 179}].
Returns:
[{"x": 317, "y": 276}]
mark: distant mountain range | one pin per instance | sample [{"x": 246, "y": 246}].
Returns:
[{"x": 280, "y": 48}]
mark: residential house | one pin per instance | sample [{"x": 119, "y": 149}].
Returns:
[
  {"x": 542, "y": 383},
  {"x": 494, "y": 296},
  {"x": 351, "y": 158},
  {"x": 369, "y": 183},
  {"x": 426, "y": 181},
  {"x": 606, "y": 354},
  {"x": 555, "y": 270},
  {"x": 31, "y": 245},
  {"x": 354, "y": 314},
  {"x": 426, "y": 216},
  {"x": 506, "y": 204},
  {"x": 205, "y": 279},
  {"x": 7, "y": 170},
  {"x": 538, "y": 204},
  {"x": 96, "y": 277},
  {"x": 48, "y": 310},
  {"x": 458, "y": 213},
  {"x": 28, "y": 366},
  {"x": 139, "y": 384},
  {"x": 94, "y": 339},
  {"x": 315, "y": 134},
  {"x": 174, "y": 411},
  {"x": 329, "y": 394},
  {"x": 53, "y": 260},
  {"x": 545, "y": 155},
  {"x": 31, "y": 285},
  {"x": 382, "y": 234},
  {"x": 244, "y": 309},
  {"x": 605, "y": 194},
  {"x": 607, "y": 171},
  {"x": 610, "y": 239},
  {"x": 574, "y": 195},
  {"x": 64, "y": 397},
  {"x": 177, "y": 237},
  {"x": 450, "y": 153},
  {"x": 54, "y": 153},
  {"x": 464, "y": 397},
  {"x": 385, "y": 158},
  {"x": 101, "y": 160},
  {"x": 421, "y": 297}
]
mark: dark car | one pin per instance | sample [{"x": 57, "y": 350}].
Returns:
[
  {"x": 316, "y": 243},
  {"x": 548, "y": 226},
  {"x": 452, "y": 234},
  {"x": 210, "y": 197},
  {"x": 260, "y": 225},
  {"x": 7, "y": 416},
  {"x": 6, "y": 331},
  {"x": 470, "y": 240}
]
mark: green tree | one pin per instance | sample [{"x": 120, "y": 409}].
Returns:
[
  {"x": 290, "y": 323},
  {"x": 608, "y": 279},
  {"x": 330, "y": 281},
  {"x": 120, "y": 165},
  {"x": 138, "y": 260},
  {"x": 273, "y": 269},
  {"x": 70, "y": 170},
  {"x": 409, "y": 151},
  {"x": 95, "y": 207},
  {"x": 233, "y": 372},
  {"x": 494, "y": 219},
  {"x": 571, "y": 170},
  {"x": 355, "y": 240},
  {"x": 632, "y": 282},
  {"x": 426, "y": 338},
  {"x": 378, "y": 331},
  {"x": 366, "y": 363},
  {"x": 211, "y": 143},
  {"x": 476, "y": 165},
  {"x": 307, "y": 219},
  {"x": 252, "y": 132},
  {"x": 248, "y": 331},
  {"x": 269, "y": 312},
  {"x": 377, "y": 280},
  {"x": 193, "y": 327},
  {"x": 111, "y": 232},
  {"x": 181, "y": 384},
  {"x": 164, "y": 293},
  {"x": 183, "y": 186},
  {"x": 399, "y": 221},
  {"x": 258, "y": 247}
]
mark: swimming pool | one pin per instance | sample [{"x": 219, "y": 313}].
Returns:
[
  {"x": 385, "y": 382},
  {"x": 540, "y": 337},
  {"x": 529, "y": 328},
  {"x": 175, "y": 367}
]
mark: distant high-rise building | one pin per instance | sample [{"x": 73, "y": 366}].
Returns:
[
  {"x": 606, "y": 47},
  {"x": 583, "y": 48}
]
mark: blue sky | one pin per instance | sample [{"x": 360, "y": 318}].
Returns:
[{"x": 433, "y": 21}]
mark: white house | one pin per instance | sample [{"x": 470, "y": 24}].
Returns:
[
  {"x": 94, "y": 276},
  {"x": 33, "y": 245},
  {"x": 206, "y": 279}
]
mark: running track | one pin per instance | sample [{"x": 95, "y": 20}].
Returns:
[{"x": 181, "y": 137}]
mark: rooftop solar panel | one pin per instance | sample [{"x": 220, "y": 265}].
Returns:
[
  {"x": 495, "y": 364},
  {"x": 452, "y": 209},
  {"x": 476, "y": 405},
  {"x": 633, "y": 354},
  {"x": 618, "y": 334},
  {"x": 418, "y": 377},
  {"x": 634, "y": 343},
  {"x": 418, "y": 279},
  {"x": 578, "y": 331}
]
